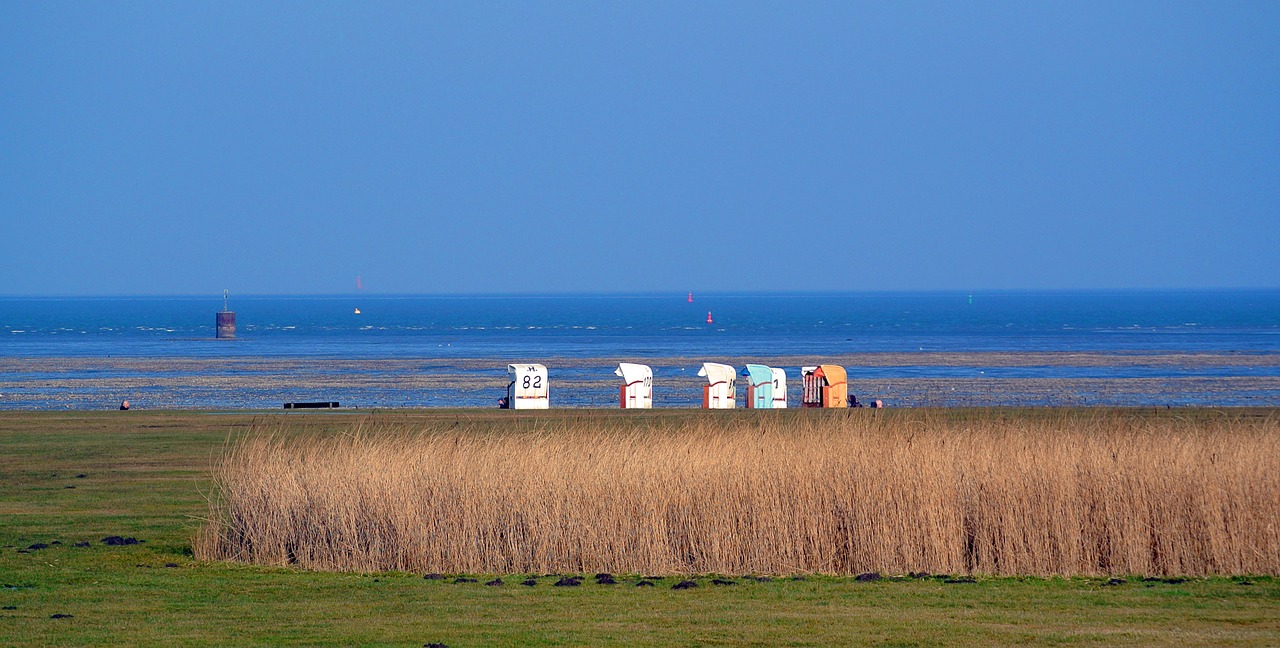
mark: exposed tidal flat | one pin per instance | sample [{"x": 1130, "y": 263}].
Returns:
[{"x": 901, "y": 379}]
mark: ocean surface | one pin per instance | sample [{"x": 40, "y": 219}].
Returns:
[{"x": 37, "y": 334}]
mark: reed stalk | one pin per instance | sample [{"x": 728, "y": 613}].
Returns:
[{"x": 1073, "y": 493}]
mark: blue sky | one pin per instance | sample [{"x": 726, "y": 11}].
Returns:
[{"x": 287, "y": 147}]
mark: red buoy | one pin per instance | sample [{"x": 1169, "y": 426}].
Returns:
[
  {"x": 690, "y": 298},
  {"x": 708, "y": 317}
]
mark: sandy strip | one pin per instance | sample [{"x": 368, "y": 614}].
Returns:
[{"x": 257, "y": 382}]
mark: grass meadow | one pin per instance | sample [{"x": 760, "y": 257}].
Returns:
[{"x": 664, "y": 484}]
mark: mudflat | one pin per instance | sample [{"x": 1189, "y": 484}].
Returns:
[{"x": 924, "y": 379}]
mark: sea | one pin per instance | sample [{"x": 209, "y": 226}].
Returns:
[{"x": 73, "y": 348}]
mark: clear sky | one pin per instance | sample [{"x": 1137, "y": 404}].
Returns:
[{"x": 447, "y": 147}]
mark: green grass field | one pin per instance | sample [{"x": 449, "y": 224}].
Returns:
[{"x": 79, "y": 477}]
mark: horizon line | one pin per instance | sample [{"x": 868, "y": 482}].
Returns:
[{"x": 638, "y": 294}]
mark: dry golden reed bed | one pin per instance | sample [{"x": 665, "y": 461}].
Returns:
[{"x": 1083, "y": 492}]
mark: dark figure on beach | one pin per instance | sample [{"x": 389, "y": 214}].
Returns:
[
  {"x": 502, "y": 403},
  {"x": 124, "y": 405},
  {"x": 853, "y": 401}
]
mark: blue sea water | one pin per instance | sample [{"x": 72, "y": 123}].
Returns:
[
  {"x": 652, "y": 328},
  {"x": 644, "y": 326}
]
